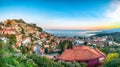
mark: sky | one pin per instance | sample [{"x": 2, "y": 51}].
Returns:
[{"x": 64, "y": 14}]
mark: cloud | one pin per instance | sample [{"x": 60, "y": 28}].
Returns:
[{"x": 113, "y": 11}]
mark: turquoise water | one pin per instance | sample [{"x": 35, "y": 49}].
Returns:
[{"x": 72, "y": 33}]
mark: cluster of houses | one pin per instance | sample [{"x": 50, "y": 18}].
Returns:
[
  {"x": 7, "y": 30},
  {"x": 26, "y": 35},
  {"x": 97, "y": 41}
]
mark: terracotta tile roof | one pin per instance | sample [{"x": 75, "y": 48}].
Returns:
[{"x": 81, "y": 53}]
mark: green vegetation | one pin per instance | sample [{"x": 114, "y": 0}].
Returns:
[
  {"x": 44, "y": 62},
  {"x": 113, "y": 54},
  {"x": 39, "y": 29},
  {"x": 0, "y": 28},
  {"x": 110, "y": 49},
  {"x": 12, "y": 38},
  {"x": 74, "y": 64},
  {"x": 19, "y": 21},
  {"x": 113, "y": 63},
  {"x": 12, "y": 58},
  {"x": 65, "y": 44},
  {"x": 46, "y": 50},
  {"x": 9, "y": 58}
]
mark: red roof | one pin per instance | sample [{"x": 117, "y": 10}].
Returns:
[{"x": 81, "y": 53}]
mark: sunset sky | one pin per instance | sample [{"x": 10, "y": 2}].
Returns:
[{"x": 64, "y": 14}]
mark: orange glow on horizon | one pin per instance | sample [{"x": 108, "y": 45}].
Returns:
[
  {"x": 85, "y": 27},
  {"x": 81, "y": 27}
]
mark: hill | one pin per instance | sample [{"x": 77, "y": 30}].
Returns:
[
  {"x": 26, "y": 45},
  {"x": 111, "y": 30},
  {"x": 115, "y": 35}
]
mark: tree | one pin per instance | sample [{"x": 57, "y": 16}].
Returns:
[
  {"x": 73, "y": 64},
  {"x": 12, "y": 38},
  {"x": 1, "y": 45},
  {"x": 111, "y": 56},
  {"x": 61, "y": 46},
  {"x": 85, "y": 43},
  {"x": 65, "y": 44},
  {"x": 46, "y": 50},
  {"x": 45, "y": 62},
  {"x": 22, "y": 31},
  {"x": 19, "y": 20},
  {"x": 113, "y": 63},
  {"x": 0, "y": 28},
  {"x": 39, "y": 29},
  {"x": 70, "y": 46}
]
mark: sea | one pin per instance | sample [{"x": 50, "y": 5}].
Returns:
[{"x": 72, "y": 33}]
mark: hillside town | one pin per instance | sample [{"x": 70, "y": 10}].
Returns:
[{"x": 29, "y": 38}]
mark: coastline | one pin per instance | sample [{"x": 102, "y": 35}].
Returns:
[{"x": 72, "y": 33}]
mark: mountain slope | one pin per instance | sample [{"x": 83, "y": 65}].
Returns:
[{"x": 111, "y": 30}]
